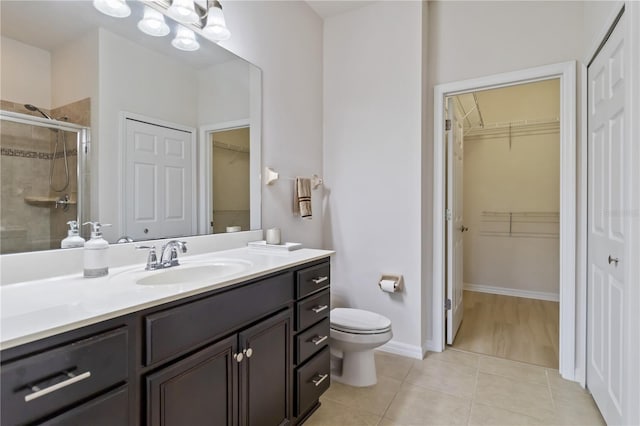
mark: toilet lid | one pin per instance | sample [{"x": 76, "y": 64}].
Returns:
[{"x": 358, "y": 320}]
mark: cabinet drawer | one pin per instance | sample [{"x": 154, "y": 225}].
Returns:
[
  {"x": 312, "y": 309},
  {"x": 312, "y": 340},
  {"x": 312, "y": 279},
  {"x": 41, "y": 384},
  {"x": 312, "y": 380},
  {"x": 178, "y": 330},
  {"x": 106, "y": 410}
]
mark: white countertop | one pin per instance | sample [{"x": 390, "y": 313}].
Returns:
[{"x": 37, "y": 309}]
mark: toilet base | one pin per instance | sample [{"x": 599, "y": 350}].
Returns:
[{"x": 357, "y": 369}]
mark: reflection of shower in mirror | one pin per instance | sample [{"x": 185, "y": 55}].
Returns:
[{"x": 52, "y": 162}]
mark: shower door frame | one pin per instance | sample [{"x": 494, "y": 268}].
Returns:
[{"x": 83, "y": 142}]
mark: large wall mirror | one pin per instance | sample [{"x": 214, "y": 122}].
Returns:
[{"x": 174, "y": 136}]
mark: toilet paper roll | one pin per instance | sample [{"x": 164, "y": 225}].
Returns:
[{"x": 388, "y": 285}]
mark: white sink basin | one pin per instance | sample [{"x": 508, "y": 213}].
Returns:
[{"x": 195, "y": 273}]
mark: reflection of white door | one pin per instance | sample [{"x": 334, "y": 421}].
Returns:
[
  {"x": 455, "y": 227},
  {"x": 606, "y": 288},
  {"x": 159, "y": 184}
]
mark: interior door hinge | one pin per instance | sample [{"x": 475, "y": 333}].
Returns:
[
  {"x": 447, "y": 124},
  {"x": 447, "y": 213},
  {"x": 447, "y": 304}
]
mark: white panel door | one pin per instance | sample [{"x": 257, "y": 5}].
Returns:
[
  {"x": 455, "y": 225},
  {"x": 159, "y": 193},
  {"x": 606, "y": 287}
]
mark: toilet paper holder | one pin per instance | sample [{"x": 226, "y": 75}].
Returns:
[{"x": 398, "y": 282}]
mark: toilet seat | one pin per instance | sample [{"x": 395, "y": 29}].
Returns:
[{"x": 358, "y": 321}]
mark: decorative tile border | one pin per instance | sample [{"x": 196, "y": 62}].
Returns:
[{"x": 11, "y": 152}]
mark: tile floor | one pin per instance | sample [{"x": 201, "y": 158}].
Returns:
[{"x": 458, "y": 388}]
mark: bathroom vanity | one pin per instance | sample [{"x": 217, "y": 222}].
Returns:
[{"x": 248, "y": 348}]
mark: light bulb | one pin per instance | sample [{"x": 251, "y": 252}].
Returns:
[
  {"x": 185, "y": 40},
  {"x": 153, "y": 23},
  {"x": 183, "y": 11},
  {"x": 216, "y": 27},
  {"x": 115, "y": 8}
]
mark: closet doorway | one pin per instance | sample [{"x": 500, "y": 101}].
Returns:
[
  {"x": 565, "y": 72},
  {"x": 502, "y": 234}
]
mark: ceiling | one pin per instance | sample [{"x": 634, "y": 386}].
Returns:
[
  {"x": 524, "y": 103},
  {"x": 327, "y": 8}
]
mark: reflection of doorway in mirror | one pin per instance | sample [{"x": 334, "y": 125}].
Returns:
[{"x": 230, "y": 179}]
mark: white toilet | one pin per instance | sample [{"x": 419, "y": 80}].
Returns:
[{"x": 353, "y": 336}]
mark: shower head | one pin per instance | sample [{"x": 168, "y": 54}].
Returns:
[{"x": 35, "y": 108}]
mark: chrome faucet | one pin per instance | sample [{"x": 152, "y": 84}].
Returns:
[{"x": 169, "y": 253}]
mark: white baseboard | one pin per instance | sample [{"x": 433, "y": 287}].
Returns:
[
  {"x": 429, "y": 346},
  {"x": 403, "y": 349},
  {"x": 541, "y": 295}
]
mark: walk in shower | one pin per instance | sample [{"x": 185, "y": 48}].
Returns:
[{"x": 42, "y": 174}]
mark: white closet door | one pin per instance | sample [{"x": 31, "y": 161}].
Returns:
[
  {"x": 159, "y": 200},
  {"x": 455, "y": 225},
  {"x": 606, "y": 287}
]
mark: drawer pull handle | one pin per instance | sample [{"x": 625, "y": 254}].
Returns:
[
  {"x": 319, "y": 379},
  {"x": 319, "y": 280},
  {"x": 72, "y": 378},
  {"x": 319, "y": 339},
  {"x": 319, "y": 308}
]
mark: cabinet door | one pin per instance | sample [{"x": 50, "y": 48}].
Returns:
[
  {"x": 199, "y": 390},
  {"x": 265, "y": 372}
]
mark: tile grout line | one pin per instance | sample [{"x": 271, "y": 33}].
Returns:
[{"x": 475, "y": 391}]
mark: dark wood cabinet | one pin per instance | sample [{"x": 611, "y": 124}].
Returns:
[
  {"x": 198, "y": 390},
  {"x": 251, "y": 354},
  {"x": 265, "y": 372},
  {"x": 244, "y": 379},
  {"x": 312, "y": 326}
]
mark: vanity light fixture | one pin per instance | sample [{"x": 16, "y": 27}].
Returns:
[
  {"x": 153, "y": 23},
  {"x": 216, "y": 27},
  {"x": 115, "y": 8},
  {"x": 183, "y": 11},
  {"x": 185, "y": 40}
]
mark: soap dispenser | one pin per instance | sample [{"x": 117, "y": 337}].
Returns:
[
  {"x": 96, "y": 255},
  {"x": 73, "y": 236}
]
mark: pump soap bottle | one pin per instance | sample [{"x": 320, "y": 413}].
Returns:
[
  {"x": 96, "y": 255},
  {"x": 73, "y": 236}
]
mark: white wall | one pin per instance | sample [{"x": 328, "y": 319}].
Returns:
[
  {"x": 26, "y": 74},
  {"x": 479, "y": 38},
  {"x": 372, "y": 160},
  {"x": 284, "y": 39},
  {"x": 223, "y": 93},
  {"x": 74, "y": 71},
  {"x": 520, "y": 178},
  {"x": 598, "y": 15},
  {"x": 129, "y": 79}
]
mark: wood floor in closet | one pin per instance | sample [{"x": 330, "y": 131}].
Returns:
[{"x": 514, "y": 328}]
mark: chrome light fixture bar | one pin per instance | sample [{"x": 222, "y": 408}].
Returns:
[{"x": 210, "y": 20}]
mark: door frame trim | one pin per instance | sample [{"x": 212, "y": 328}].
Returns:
[
  {"x": 206, "y": 172},
  {"x": 566, "y": 72}
]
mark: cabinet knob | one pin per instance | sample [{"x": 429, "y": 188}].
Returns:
[
  {"x": 238, "y": 357},
  {"x": 613, "y": 260},
  {"x": 248, "y": 352}
]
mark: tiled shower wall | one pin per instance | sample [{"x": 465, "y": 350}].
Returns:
[{"x": 28, "y": 217}]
